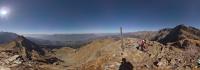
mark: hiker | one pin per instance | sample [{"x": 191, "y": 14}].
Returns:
[{"x": 141, "y": 45}]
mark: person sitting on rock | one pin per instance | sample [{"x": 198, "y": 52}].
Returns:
[{"x": 142, "y": 45}]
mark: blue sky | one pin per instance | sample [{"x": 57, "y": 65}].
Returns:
[{"x": 97, "y": 16}]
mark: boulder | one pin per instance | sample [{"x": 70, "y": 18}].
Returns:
[{"x": 162, "y": 62}]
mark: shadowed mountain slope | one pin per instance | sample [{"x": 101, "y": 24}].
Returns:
[
  {"x": 180, "y": 36},
  {"x": 7, "y": 36}
]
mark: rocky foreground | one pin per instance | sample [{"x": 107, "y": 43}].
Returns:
[{"x": 109, "y": 57}]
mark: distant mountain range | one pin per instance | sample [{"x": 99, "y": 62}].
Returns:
[
  {"x": 67, "y": 40},
  {"x": 68, "y": 37},
  {"x": 77, "y": 40}
]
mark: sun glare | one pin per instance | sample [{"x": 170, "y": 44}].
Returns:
[{"x": 4, "y": 12}]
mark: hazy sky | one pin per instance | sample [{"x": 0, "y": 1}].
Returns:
[{"x": 97, "y": 16}]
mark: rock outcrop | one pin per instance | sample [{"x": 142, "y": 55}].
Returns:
[{"x": 22, "y": 54}]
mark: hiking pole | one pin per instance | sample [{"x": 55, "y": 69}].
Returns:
[{"x": 121, "y": 36}]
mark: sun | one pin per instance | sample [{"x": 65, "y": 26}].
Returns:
[{"x": 4, "y": 12}]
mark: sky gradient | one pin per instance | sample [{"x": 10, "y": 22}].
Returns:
[{"x": 97, "y": 16}]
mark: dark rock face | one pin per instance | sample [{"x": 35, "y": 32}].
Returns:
[
  {"x": 31, "y": 46},
  {"x": 161, "y": 34}
]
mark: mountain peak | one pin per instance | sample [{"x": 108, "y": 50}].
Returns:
[
  {"x": 181, "y": 26},
  {"x": 179, "y": 34}
]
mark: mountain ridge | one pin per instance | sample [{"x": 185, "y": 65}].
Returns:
[{"x": 178, "y": 36}]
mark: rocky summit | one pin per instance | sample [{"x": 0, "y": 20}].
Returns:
[{"x": 168, "y": 49}]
